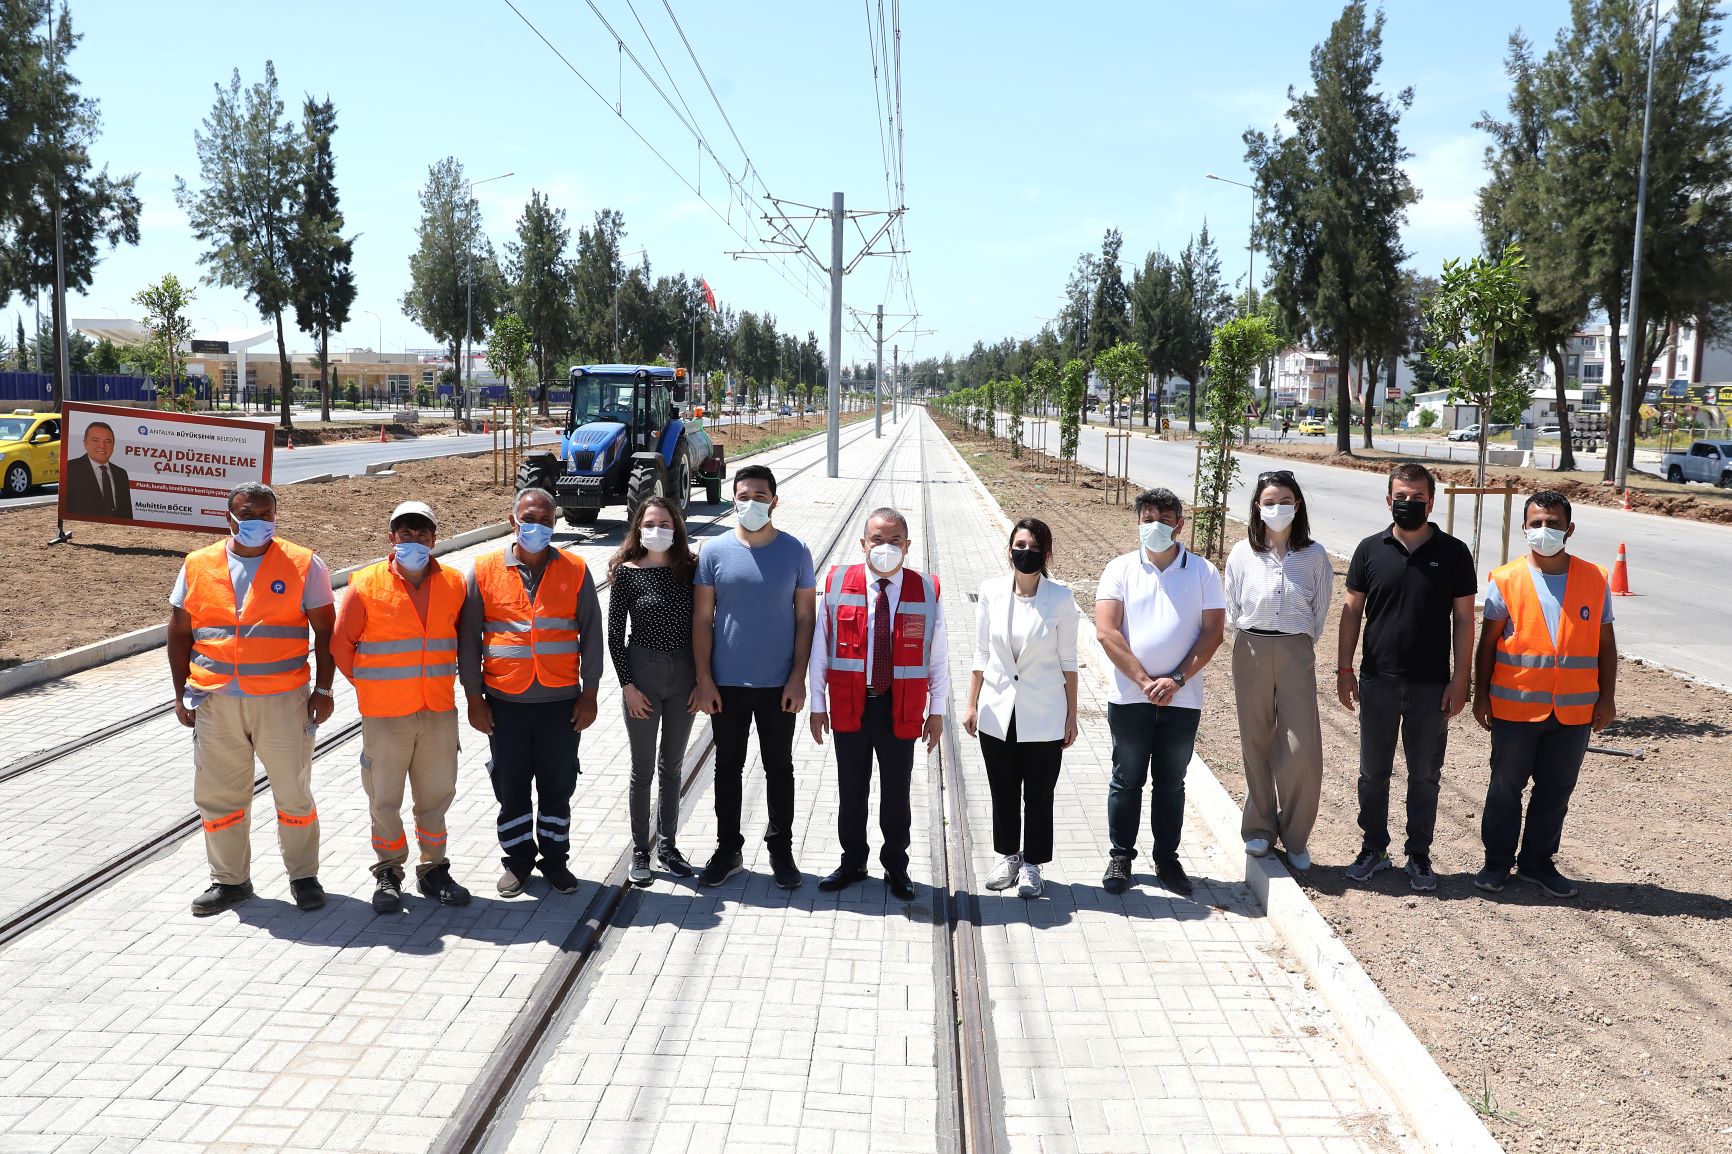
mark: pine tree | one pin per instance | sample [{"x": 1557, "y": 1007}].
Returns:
[
  {"x": 540, "y": 275},
  {"x": 320, "y": 255},
  {"x": 454, "y": 281},
  {"x": 1109, "y": 311}
]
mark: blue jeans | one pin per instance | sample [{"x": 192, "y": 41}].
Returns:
[{"x": 1145, "y": 737}]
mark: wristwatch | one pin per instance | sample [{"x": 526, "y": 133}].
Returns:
[
  {"x": 1178, "y": 676},
  {"x": 322, "y": 690}
]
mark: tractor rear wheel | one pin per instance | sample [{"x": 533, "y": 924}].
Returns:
[{"x": 536, "y": 473}]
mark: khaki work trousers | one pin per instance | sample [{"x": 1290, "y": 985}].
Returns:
[
  {"x": 1280, "y": 737},
  {"x": 420, "y": 748},
  {"x": 228, "y": 734}
]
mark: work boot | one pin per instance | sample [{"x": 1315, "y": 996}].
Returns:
[
  {"x": 309, "y": 894},
  {"x": 438, "y": 884},
  {"x": 221, "y": 896},
  {"x": 388, "y": 891}
]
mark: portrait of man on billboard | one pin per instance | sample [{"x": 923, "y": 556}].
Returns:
[{"x": 95, "y": 487}]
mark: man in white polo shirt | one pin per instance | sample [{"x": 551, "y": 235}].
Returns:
[{"x": 1160, "y": 613}]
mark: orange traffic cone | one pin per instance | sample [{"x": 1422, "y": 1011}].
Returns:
[
  {"x": 289, "y": 439},
  {"x": 1621, "y": 575},
  {"x": 1628, "y": 508},
  {"x": 382, "y": 437}
]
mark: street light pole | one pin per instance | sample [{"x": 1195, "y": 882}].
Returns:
[
  {"x": 1250, "y": 243},
  {"x": 466, "y": 379},
  {"x": 1627, "y": 430}
]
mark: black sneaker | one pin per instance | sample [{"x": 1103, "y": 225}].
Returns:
[
  {"x": 1491, "y": 880},
  {"x": 1117, "y": 879},
  {"x": 784, "y": 869},
  {"x": 1552, "y": 883},
  {"x": 309, "y": 894},
  {"x": 559, "y": 877},
  {"x": 721, "y": 867},
  {"x": 673, "y": 860},
  {"x": 1419, "y": 874},
  {"x": 388, "y": 891},
  {"x": 639, "y": 874},
  {"x": 1172, "y": 875},
  {"x": 221, "y": 896},
  {"x": 438, "y": 884},
  {"x": 1368, "y": 864}
]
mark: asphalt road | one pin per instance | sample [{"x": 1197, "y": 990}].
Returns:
[{"x": 1680, "y": 570}]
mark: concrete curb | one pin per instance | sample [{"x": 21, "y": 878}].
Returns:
[
  {"x": 1440, "y": 1118},
  {"x": 45, "y": 669}
]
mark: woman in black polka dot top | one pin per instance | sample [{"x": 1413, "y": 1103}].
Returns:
[{"x": 651, "y": 577}]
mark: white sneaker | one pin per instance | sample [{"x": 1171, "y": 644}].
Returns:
[
  {"x": 1004, "y": 875},
  {"x": 1257, "y": 846},
  {"x": 1298, "y": 860},
  {"x": 1029, "y": 884}
]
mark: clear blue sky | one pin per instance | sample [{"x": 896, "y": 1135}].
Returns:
[{"x": 1029, "y": 129}]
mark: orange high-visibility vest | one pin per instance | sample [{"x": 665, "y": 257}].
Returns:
[
  {"x": 264, "y": 646},
  {"x": 845, "y": 606},
  {"x": 403, "y": 666},
  {"x": 524, "y": 643},
  {"x": 1534, "y": 678}
]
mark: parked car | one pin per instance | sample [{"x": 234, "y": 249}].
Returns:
[
  {"x": 784, "y": 411},
  {"x": 1549, "y": 431},
  {"x": 29, "y": 450},
  {"x": 1470, "y": 433},
  {"x": 1707, "y": 461}
]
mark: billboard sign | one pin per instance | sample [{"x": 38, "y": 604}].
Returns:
[{"x": 156, "y": 469}]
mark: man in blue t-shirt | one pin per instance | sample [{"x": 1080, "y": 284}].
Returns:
[{"x": 753, "y": 608}]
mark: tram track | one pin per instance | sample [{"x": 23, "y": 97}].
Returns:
[
  {"x": 504, "y": 1079},
  {"x": 15, "y": 923}
]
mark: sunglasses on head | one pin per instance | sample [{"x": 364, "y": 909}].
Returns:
[{"x": 1274, "y": 475}]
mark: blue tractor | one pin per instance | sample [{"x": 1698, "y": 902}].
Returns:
[{"x": 624, "y": 441}]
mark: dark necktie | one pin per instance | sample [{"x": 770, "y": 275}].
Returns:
[
  {"x": 881, "y": 639},
  {"x": 107, "y": 491}
]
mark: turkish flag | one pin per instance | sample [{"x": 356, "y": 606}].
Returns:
[{"x": 709, "y": 293}]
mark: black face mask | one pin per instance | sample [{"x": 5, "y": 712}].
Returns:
[
  {"x": 1409, "y": 515},
  {"x": 1027, "y": 560}
]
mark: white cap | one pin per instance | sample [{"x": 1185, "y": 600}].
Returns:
[{"x": 408, "y": 507}]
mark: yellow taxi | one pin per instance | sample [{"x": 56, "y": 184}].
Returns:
[
  {"x": 29, "y": 451},
  {"x": 1312, "y": 427}
]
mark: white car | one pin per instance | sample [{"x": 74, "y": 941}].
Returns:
[{"x": 1471, "y": 433}]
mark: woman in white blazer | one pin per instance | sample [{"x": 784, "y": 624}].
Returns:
[{"x": 1022, "y": 702}]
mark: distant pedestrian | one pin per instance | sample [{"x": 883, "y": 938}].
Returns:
[
  {"x": 1160, "y": 614},
  {"x": 1278, "y": 583},
  {"x": 237, "y": 651},
  {"x": 754, "y": 601},
  {"x": 651, "y": 576},
  {"x": 1286, "y": 427},
  {"x": 396, "y": 641},
  {"x": 529, "y": 654},
  {"x": 879, "y": 681},
  {"x": 1412, "y": 587},
  {"x": 1022, "y": 702},
  {"x": 1545, "y": 678}
]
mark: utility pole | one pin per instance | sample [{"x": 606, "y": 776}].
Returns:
[
  {"x": 62, "y": 351},
  {"x": 878, "y": 382},
  {"x": 1627, "y": 432},
  {"x": 832, "y": 436},
  {"x": 895, "y": 379}
]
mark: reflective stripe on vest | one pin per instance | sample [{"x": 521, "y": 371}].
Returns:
[
  {"x": 524, "y": 643},
  {"x": 264, "y": 645},
  {"x": 1533, "y": 678},
  {"x": 845, "y": 611},
  {"x": 402, "y": 664}
]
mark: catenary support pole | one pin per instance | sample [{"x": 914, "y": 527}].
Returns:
[
  {"x": 1627, "y": 429},
  {"x": 878, "y": 381},
  {"x": 895, "y": 382},
  {"x": 832, "y": 434}
]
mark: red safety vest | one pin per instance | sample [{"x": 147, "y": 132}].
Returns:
[
  {"x": 1533, "y": 678},
  {"x": 404, "y": 665},
  {"x": 263, "y": 647},
  {"x": 524, "y": 643},
  {"x": 845, "y": 606}
]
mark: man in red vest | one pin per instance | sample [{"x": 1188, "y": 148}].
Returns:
[
  {"x": 396, "y": 640},
  {"x": 881, "y": 661},
  {"x": 1544, "y": 679},
  {"x": 237, "y": 651}
]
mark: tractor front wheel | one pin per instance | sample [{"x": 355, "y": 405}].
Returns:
[{"x": 645, "y": 482}]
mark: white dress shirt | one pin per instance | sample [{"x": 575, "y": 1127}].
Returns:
[
  {"x": 1279, "y": 594},
  {"x": 938, "y": 654}
]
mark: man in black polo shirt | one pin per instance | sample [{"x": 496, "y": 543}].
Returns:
[{"x": 1414, "y": 585}]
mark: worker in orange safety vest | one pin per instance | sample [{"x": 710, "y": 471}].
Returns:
[
  {"x": 237, "y": 653},
  {"x": 396, "y": 640},
  {"x": 879, "y": 679},
  {"x": 1545, "y": 676}
]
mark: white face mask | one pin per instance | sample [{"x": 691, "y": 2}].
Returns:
[
  {"x": 754, "y": 515},
  {"x": 1279, "y": 517},
  {"x": 1156, "y": 536},
  {"x": 657, "y": 538},
  {"x": 1546, "y": 542},
  {"x": 885, "y": 559}
]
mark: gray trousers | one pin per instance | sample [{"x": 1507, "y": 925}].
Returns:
[{"x": 667, "y": 678}]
